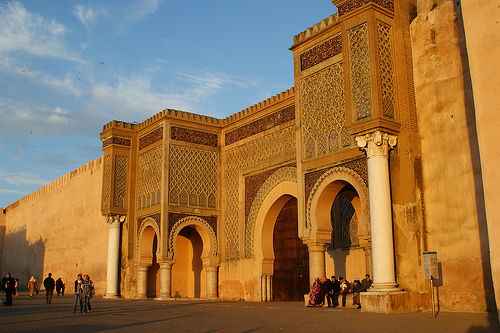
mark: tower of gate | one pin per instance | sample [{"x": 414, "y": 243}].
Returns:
[{"x": 355, "y": 108}]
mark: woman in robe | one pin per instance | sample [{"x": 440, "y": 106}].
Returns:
[
  {"x": 316, "y": 287},
  {"x": 32, "y": 286}
]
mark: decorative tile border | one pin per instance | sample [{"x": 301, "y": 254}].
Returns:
[
  {"x": 151, "y": 138},
  {"x": 155, "y": 216},
  {"x": 261, "y": 125},
  {"x": 193, "y": 136},
  {"x": 116, "y": 141},
  {"x": 358, "y": 166},
  {"x": 321, "y": 52},
  {"x": 173, "y": 218}
]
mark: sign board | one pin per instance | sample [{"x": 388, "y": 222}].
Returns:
[{"x": 431, "y": 266}]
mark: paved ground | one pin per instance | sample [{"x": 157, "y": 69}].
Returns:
[{"x": 32, "y": 314}]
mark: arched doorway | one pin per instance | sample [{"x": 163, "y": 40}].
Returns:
[
  {"x": 188, "y": 275},
  {"x": 148, "y": 273},
  {"x": 291, "y": 257},
  {"x": 349, "y": 258},
  {"x": 349, "y": 190},
  {"x": 154, "y": 272}
]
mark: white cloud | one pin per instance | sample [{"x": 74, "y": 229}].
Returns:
[
  {"x": 31, "y": 33},
  {"x": 140, "y": 10},
  {"x": 88, "y": 16},
  {"x": 27, "y": 119},
  {"x": 22, "y": 178},
  {"x": 135, "y": 97}
]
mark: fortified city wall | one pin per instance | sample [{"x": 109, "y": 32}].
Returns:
[{"x": 58, "y": 229}]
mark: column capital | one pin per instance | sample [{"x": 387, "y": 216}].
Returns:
[
  {"x": 115, "y": 220},
  {"x": 316, "y": 246},
  {"x": 377, "y": 144}
]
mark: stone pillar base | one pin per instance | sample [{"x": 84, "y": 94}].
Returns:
[
  {"x": 386, "y": 302},
  {"x": 164, "y": 298},
  {"x": 112, "y": 296}
]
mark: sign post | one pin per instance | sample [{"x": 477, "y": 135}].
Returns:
[{"x": 431, "y": 272}]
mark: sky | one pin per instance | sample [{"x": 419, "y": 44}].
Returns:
[{"x": 68, "y": 67}]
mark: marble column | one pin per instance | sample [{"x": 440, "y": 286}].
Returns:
[
  {"x": 142, "y": 280},
  {"x": 316, "y": 261},
  {"x": 113, "y": 270},
  {"x": 377, "y": 146},
  {"x": 211, "y": 273},
  {"x": 269, "y": 288},
  {"x": 368, "y": 257},
  {"x": 165, "y": 280}
]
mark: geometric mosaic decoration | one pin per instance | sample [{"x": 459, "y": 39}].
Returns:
[
  {"x": 351, "y": 5},
  {"x": 270, "y": 147},
  {"x": 274, "y": 179},
  {"x": 106, "y": 186},
  {"x": 193, "y": 177},
  {"x": 120, "y": 187},
  {"x": 323, "y": 111},
  {"x": 149, "y": 178},
  {"x": 386, "y": 70},
  {"x": 359, "y": 67},
  {"x": 345, "y": 221}
]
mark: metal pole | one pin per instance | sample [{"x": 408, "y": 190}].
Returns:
[{"x": 432, "y": 298}]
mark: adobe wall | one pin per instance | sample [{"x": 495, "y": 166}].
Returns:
[
  {"x": 59, "y": 229},
  {"x": 450, "y": 178},
  {"x": 482, "y": 34}
]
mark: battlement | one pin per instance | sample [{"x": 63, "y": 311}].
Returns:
[
  {"x": 259, "y": 106},
  {"x": 118, "y": 124},
  {"x": 318, "y": 27},
  {"x": 89, "y": 167},
  {"x": 184, "y": 115}
]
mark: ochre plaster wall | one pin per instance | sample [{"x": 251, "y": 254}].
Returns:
[
  {"x": 59, "y": 229},
  {"x": 236, "y": 280},
  {"x": 449, "y": 176}
]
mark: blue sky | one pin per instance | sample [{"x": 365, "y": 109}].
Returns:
[{"x": 68, "y": 67}]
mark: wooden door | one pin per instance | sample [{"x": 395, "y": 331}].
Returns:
[{"x": 291, "y": 263}]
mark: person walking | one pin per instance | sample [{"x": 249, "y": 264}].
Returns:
[
  {"x": 88, "y": 291},
  {"x": 49, "y": 284},
  {"x": 32, "y": 286},
  {"x": 9, "y": 288},
  {"x": 78, "y": 293}
]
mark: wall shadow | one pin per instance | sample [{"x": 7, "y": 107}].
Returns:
[{"x": 23, "y": 259}]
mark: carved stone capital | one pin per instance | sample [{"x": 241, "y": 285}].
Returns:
[
  {"x": 115, "y": 220},
  {"x": 377, "y": 144}
]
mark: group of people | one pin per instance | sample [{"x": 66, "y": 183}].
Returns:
[
  {"x": 333, "y": 288},
  {"x": 84, "y": 290}
]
